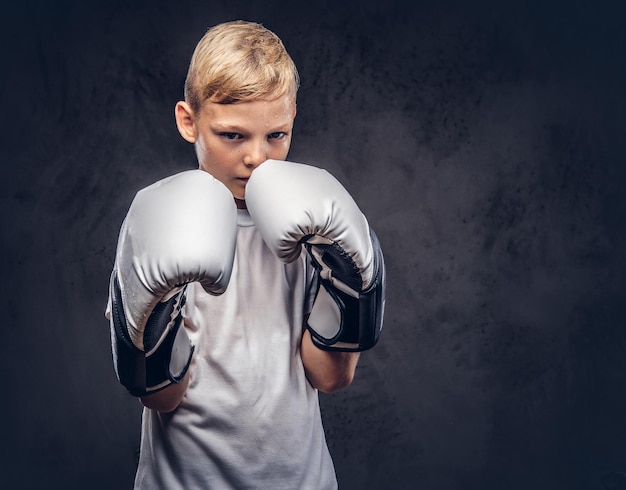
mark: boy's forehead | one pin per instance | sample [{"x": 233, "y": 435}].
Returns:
[{"x": 281, "y": 109}]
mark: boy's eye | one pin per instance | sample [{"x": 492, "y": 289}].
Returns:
[
  {"x": 231, "y": 136},
  {"x": 278, "y": 134}
]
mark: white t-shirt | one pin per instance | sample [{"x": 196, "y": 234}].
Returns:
[{"x": 250, "y": 418}]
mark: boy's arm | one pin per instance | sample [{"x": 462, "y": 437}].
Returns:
[
  {"x": 327, "y": 371},
  {"x": 168, "y": 398}
]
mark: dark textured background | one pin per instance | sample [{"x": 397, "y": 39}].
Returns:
[{"x": 484, "y": 141}]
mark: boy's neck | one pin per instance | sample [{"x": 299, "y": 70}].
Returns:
[{"x": 241, "y": 204}]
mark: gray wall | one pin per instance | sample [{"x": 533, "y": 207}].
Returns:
[{"x": 485, "y": 144}]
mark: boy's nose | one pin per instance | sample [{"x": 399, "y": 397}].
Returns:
[{"x": 255, "y": 155}]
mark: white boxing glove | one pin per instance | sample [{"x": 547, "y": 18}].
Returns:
[
  {"x": 294, "y": 204},
  {"x": 181, "y": 229}
]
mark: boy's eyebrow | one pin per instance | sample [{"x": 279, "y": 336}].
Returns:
[
  {"x": 234, "y": 127},
  {"x": 226, "y": 127}
]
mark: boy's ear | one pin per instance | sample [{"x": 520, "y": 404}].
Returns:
[{"x": 185, "y": 121}]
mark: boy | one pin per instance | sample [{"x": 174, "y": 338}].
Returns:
[{"x": 221, "y": 327}]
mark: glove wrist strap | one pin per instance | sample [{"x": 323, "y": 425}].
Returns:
[
  {"x": 349, "y": 321},
  {"x": 166, "y": 363}
]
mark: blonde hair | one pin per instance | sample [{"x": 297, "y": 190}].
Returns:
[{"x": 239, "y": 61}]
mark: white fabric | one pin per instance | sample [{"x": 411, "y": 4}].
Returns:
[{"x": 250, "y": 418}]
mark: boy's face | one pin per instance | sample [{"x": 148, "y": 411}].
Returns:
[{"x": 231, "y": 140}]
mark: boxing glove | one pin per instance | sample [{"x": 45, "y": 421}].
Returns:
[
  {"x": 294, "y": 205},
  {"x": 181, "y": 229}
]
